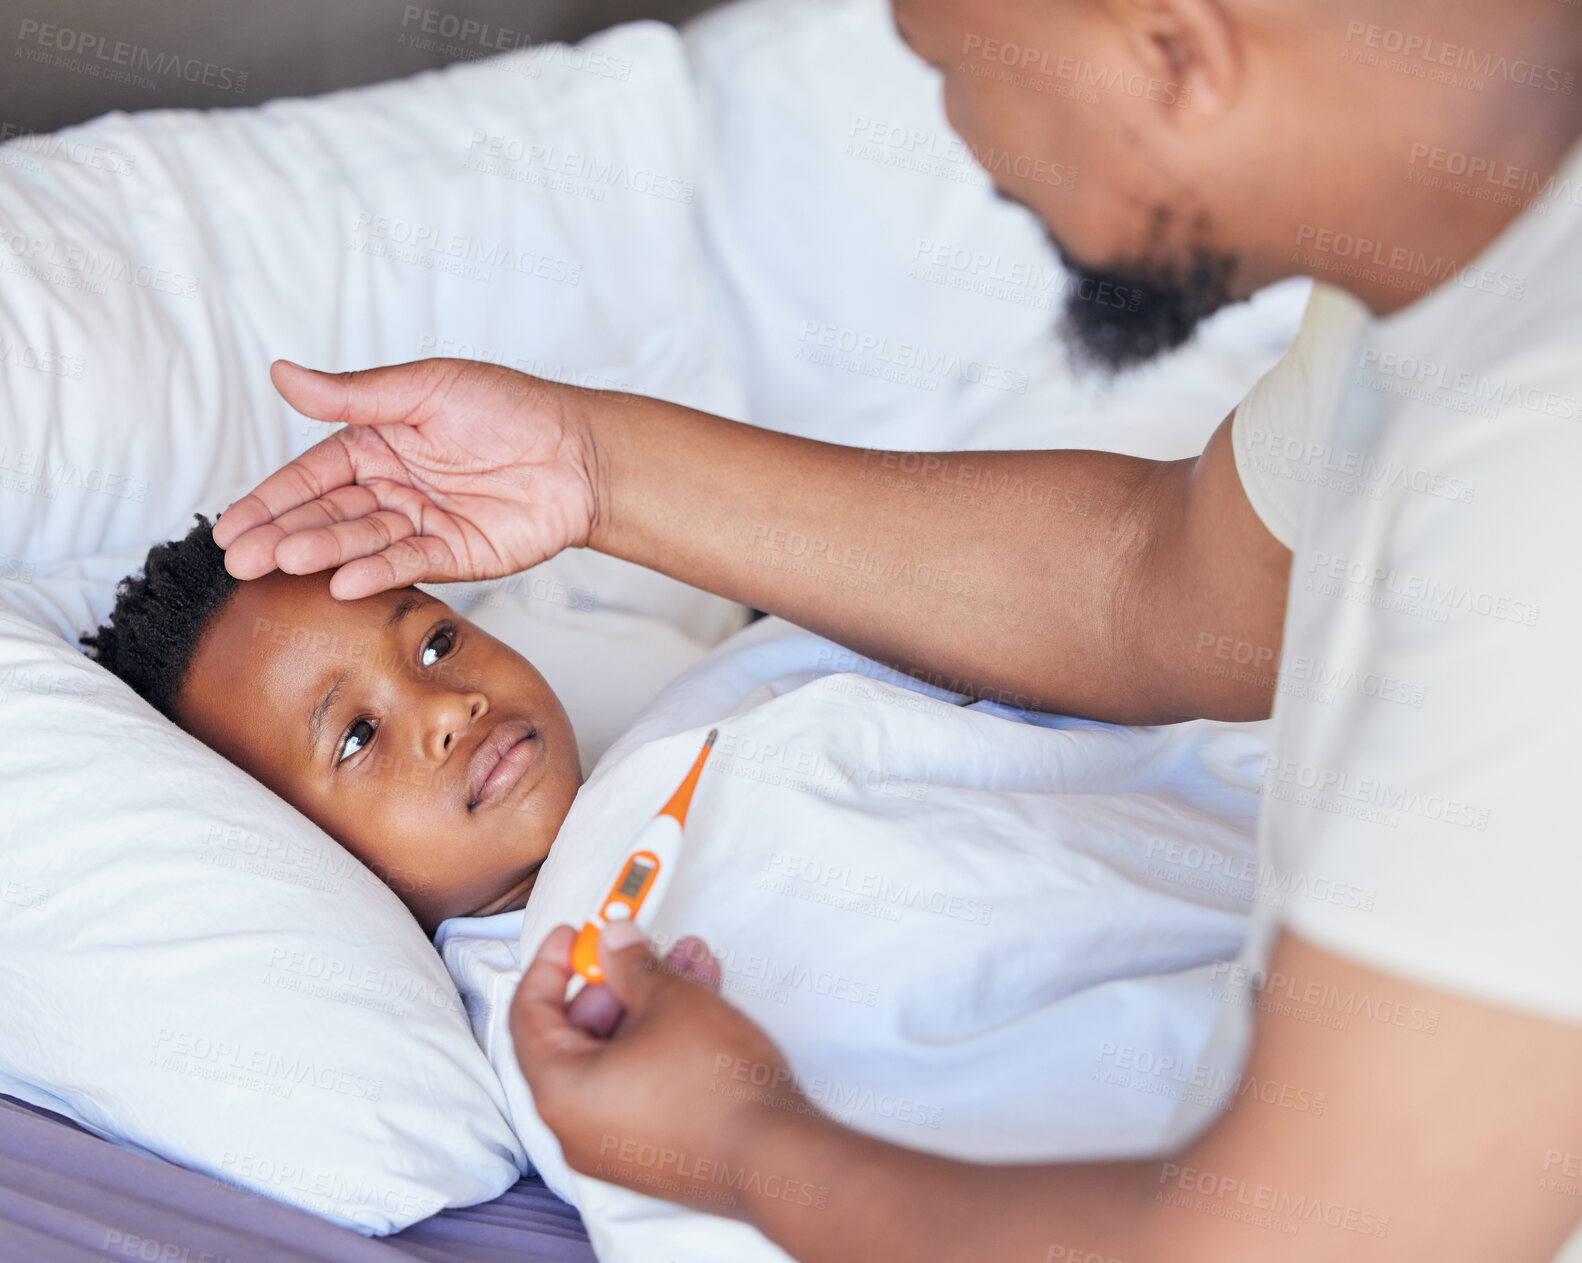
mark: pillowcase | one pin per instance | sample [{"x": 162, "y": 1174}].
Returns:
[{"x": 190, "y": 966}]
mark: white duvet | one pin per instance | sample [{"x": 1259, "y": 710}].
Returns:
[{"x": 974, "y": 930}]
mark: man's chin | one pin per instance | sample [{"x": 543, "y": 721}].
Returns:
[{"x": 1120, "y": 317}]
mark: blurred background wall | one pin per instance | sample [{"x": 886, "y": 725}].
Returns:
[{"x": 65, "y": 61}]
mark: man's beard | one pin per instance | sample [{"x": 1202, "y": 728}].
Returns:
[{"x": 1117, "y": 318}]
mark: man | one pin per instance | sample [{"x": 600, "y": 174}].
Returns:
[{"x": 1388, "y": 515}]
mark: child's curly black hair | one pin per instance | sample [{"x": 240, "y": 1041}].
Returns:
[{"x": 161, "y": 615}]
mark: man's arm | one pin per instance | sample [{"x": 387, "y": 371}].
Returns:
[
  {"x": 1082, "y": 582},
  {"x": 1376, "y": 1119}
]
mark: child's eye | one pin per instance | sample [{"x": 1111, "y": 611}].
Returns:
[
  {"x": 439, "y": 644},
  {"x": 357, "y": 736}
]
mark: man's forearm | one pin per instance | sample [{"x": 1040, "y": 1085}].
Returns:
[
  {"x": 992, "y": 573},
  {"x": 860, "y": 1198},
  {"x": 1373, "y": 1142}
]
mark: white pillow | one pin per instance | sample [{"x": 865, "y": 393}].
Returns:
[
  {"x": 190, "y": 966},
  {"x": 186, "y": 963},
  {"x": 535, "y": 209}
]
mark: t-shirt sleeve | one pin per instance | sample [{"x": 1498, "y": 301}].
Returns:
[{"x": 1270, "y": 430}]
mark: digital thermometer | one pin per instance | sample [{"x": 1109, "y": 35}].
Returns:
[{"x": 640, "y": 881}]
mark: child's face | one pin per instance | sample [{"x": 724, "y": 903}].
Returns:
[{"x": 383, "y": 721}]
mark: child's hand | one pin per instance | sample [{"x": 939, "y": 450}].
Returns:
[
  {"x": 672, "y": 1096},
  {"x": 447, "y": 470}
]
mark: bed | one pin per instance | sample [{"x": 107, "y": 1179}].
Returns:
[{"x": 798, "y": 219}]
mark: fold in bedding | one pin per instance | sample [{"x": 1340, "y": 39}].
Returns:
[
  {"x": 68, "y": 1197},
  {"x": 974, "y": 930}
]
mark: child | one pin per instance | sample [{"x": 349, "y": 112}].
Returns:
[{"x": 431, "y": 751}]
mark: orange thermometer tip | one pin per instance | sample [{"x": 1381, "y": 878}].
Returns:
[{"x": 676, "y": 808}]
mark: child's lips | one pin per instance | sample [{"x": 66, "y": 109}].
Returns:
[{"x": 500, "y": 761}]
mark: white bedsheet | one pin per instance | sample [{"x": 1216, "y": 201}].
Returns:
[{"x": 976, "y": 931}]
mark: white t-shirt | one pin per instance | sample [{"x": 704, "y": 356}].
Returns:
[{"x": 1421, "y": 809}]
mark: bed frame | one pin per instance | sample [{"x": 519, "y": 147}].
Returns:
[
  {"x": 239, "y": 52},
  {"x": 68, "y": 1197}
]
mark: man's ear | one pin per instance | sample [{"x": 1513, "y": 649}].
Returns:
[{"x": 1193, "y": 47}]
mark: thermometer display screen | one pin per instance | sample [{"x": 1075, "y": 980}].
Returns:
[{"x": 636, "y": 875}]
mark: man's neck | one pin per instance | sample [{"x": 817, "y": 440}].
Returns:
[{"x": 1447, "y": 158}]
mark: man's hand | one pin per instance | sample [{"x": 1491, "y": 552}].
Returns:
[
  {"x": 597, "y": 1011},
  {"x": 1422, "y": 1126},
  {"x": 659, "y": 1104},
  {"x": 447, "y": 470}
]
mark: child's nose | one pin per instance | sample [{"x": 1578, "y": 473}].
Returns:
[{"x": 450, "y": 716}]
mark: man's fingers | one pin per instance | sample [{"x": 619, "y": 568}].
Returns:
[
  {"x": 340, "y": 504},
  {"x": 322, "y": 468},
  {"x": 252, "y": 555},
  {"x": 313, "y": 393},
  {"x": 396, "y": 393},
  {"x": 419, "y": 559},
  {"x": 538, "y": 1010},
  {"x": 309, "y": 549},
  {"x": 259, "y": 550},
  {"x": 630, "y": 970},
  {"x": 596, "y": 1011},
  {"x": 692, "y": 960}
]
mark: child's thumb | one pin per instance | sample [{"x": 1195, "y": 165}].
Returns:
[{"x": 630, "y": 970}]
